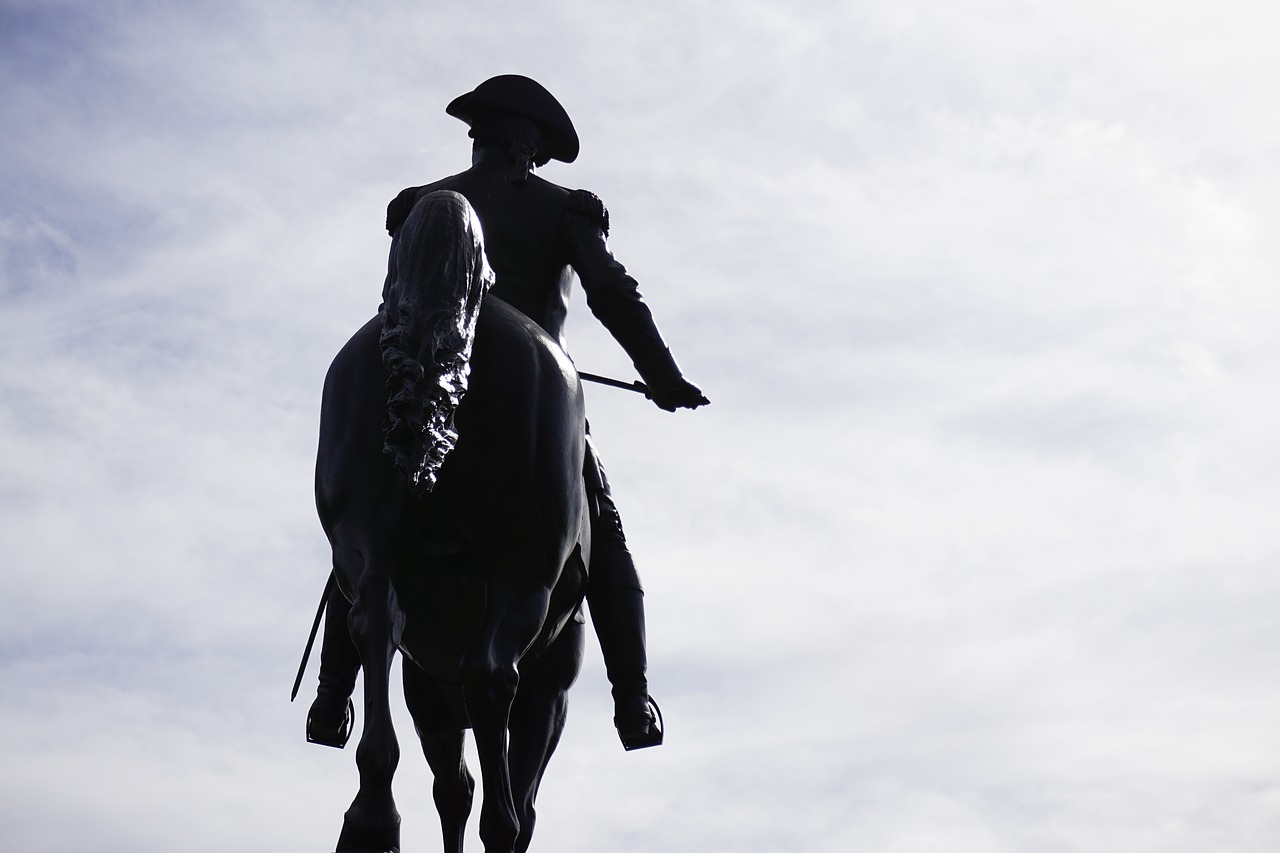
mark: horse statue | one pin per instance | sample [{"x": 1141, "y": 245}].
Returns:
[{"x": 460, "y": 531}]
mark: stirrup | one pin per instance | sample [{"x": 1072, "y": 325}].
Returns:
[
  {"x": 649, "y": 735},
  {"x": 336, "y": 737}
]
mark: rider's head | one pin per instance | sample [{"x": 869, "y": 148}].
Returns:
[{"x": 520, "y": 117}]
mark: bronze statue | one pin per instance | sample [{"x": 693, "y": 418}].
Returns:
[{"x": 467, "y": 529}]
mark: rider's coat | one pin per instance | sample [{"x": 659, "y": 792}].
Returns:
[{"x": 537, "y": 235}]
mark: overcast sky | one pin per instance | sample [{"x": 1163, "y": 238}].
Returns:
[{"x": 975, "y": 550}]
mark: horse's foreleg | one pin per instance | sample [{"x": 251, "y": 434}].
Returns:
[
  {"x": 489, "y": 680},
  {"x": 442, "y": 744},
  {"x": 538, "y": 719},
  {"x": 372, "y": 822}
]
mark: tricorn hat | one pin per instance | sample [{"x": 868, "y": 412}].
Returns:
[{"x": 512, "y": 93}]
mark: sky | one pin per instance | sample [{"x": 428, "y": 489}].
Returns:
[{"x": 973, "y": 551}]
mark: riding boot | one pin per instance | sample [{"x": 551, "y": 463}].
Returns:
[
  {"x": 616, "y": 602},
  {"x": 332, "y": 714}
]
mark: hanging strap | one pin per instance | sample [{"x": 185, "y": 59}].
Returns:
[{"x": 315, "y": 627}]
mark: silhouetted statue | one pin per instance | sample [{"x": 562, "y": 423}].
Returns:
[{"x": 463, "y": 519}]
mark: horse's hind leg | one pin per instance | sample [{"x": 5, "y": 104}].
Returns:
[
  {"x": 372, "y": 822},
  {"x": 489, "y": 678},
  {"x": 442, "y": 744},
  {"x": 538, "y": 719}
]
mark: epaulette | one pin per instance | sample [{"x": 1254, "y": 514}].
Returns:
[
  {"x": 588, "y": 204},
  {"x": 398, "y": 210}
]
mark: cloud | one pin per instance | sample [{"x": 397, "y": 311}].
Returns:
[{"x": 974, "y": 543}]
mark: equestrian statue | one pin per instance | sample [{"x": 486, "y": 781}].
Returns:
[{"x": 467, "y": 511}]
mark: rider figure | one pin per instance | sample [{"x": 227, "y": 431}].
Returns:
[{"x": 537, "y": 235}]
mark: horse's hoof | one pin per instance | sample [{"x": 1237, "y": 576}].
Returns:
[
  {"x": 328, "y": 727},
  {"x": 641, "y": 730},
  {"x": 369, "y": 839}
]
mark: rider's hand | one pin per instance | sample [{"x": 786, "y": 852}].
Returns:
[
  {"x": 680, "y": 394},
  {"x": 666, "y": 386}
]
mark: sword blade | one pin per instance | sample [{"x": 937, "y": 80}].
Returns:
[{"x": 637, "y": 386}]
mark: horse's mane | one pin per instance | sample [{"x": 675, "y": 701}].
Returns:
[{"x": 437, "y": 279}]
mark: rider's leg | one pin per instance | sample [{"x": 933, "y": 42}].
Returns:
[
  {"x": 615, "y": 598},
  {"x": 329, "y": 720}
]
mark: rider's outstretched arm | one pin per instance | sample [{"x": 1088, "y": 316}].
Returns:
[{"x": 614, "y": 298}]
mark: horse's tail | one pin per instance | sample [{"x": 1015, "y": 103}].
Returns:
[{"x": 437, "y": 279}]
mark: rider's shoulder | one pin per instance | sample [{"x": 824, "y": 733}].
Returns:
[
  {"x": 546, "y": 188},
  {"x": 400, "y": 206},
  {"x": 581, "y": 203},
  {"x": 588, "y": 205}
]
